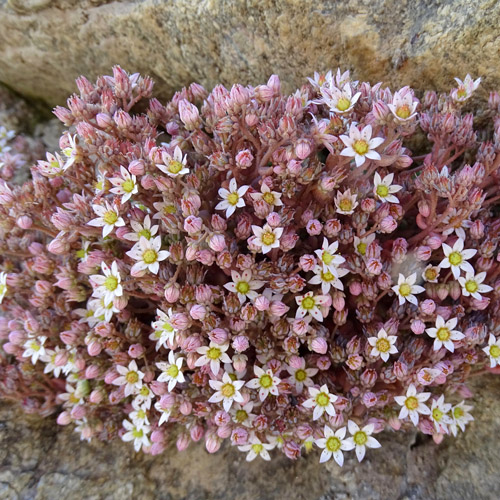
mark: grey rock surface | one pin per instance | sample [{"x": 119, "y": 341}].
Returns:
[
  {"x": 46, "y": 44},
  {"x": 41, "y": 461}
]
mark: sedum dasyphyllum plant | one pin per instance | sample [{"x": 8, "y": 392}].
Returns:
[{"x": 282, "y": 271}]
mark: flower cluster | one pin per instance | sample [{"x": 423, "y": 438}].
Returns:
[{"x": 282, "y": 271}]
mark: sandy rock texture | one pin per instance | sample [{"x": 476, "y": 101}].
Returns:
[
  {"x": 40, "y": 461},
  {"x": 46, "y": 44}
]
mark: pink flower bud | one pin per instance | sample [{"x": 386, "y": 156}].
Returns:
[
  {"x": 64, "y": 418},
  {"x": 239, "y": 362},
  {"x": 303, "y": 149},
  {"x": 110, "y": 377},
  {"x": 291, "y": 449},
  {"x": 434, "y": 242},
  {"x": 428, "y": 306},
  {"x": 212, "y": 442},
  {"x": 182, "y": 442},
  {"x": 196, "y": 433},
  {"x": 217, "y": 242},
  {"x": 136, "y": 350},
  {"x": 274, "y": 219},
  {"x": 198, "y": 312},
  {"x": 239, "y": 436},
  {"x": 369, "y": 399},
  {"x": 477, "y": 230},
  {"x": 157, "y": 436},
  {"x": 417, "y": 327},
  {"x": 219, "y": 336},
  {"x": 355, "y": 288},
  {"x": 388, "y": 224},
  {"x": 244, "y": 159},
  {"x": 193, "y": 225},
  {"x": 189, "y": 114},
  {"x": 186, "y": 407},
  {"x": 136, "y": 167},
  {"x": 261, "y": 303},
  {"x": 78, "y": 412},
  {"x": 240, "y": 343},
  {"x": 92, "y": 372},
  {"x": 278, "y": 308},
  {"x": 319, "y": 345},
  {"x": 94, "y": 348},
  {"x": 314, "y": 227},
  {"x": 104, "y": 121},
  {"x": 24, "y": 222},
  {"x": 423, "y": 253}
]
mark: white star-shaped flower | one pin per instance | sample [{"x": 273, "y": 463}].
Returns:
[
  {"x": 383, "y": 345},
  {"x": 472, "y": 285},
  {"x": 444, "y": 334},
  {"x": 232, "y": 198},
  {"x": 243, "y": 285},
  {"x": 108, "y": 219},
  {"x": 333, "y": 444},
  {"x": 457, "y": 257},
  {"x": 384, "y": 190},
  {"x": 360, "y": 145},
  {"x": 361, "y": 438},
  {"x": 148, "y": 255},
  {"x": 406, "y": 289},
  {"x": 413, "y": 404},
  {"x": 267, "y": 237},
  {"x": 173, "y": 166},
  {"x": 171, "y": 371},
  {"x": 227, "y": 391},
  {"x": 126, "y": 185},
  {"x": 321, "y": 400}
]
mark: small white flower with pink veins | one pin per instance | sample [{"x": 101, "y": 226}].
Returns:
[
  {"x": 472, "y": 285},
  {"x": 406, "y": 289},
  {"x": 139, "y": 435},
  {"x": 243, "y": 285},
  {"x": 361, "y": 438},
  {"x": 444, "y": 334},
  {"x": 257, "y": 448},
  {"x": 384, "y": 190},
  {"x": 333, "y": 443},
  {"x": 267, "y": 237},
  {"x": 340, "y": 101},
  {"x": 108, "y": 286},
  {"x": 328, "y": 256},
  {"x": 301, "y": 376},
  {"x": 439, "y": 415},
  {"x": 272, "y": 198},
  {"x": 465, "y": 88},
  {"x": 126, "y": 185},
  {"x": 360, "y": 145},
  {"x": 171, "y": 371},
  {"x": 345, "y": 203},
  {"x": 457, "y": 257},
  {"x": 232, "y": 198},
  {"x": 148, "y": 255},
  {"x": 173, "y": 166},
  {"x": 310, "y": 304},
  {"x": 493, "y": 351},
  {"x": 321, "y": 400},
  {"x": 108, "y": 219},
  {"x": 144, "y": 230},
  {"x": 413, "y": 404},
  {"x": 213, "y": 354},
  {"x": 460, "y": 417},
  {"x": 265, "y": 381},
  {"x": 403, "y": 105},
  {"x": 227, "y": 391},
  {"x": 383, "y": 345},
  {"x": 130, "y": 376},
  {"x": 34, "y": 349}
]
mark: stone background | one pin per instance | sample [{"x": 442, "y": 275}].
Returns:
[
  {"x": 41, "y": 461},
  {"x": 46, "y": 44}
]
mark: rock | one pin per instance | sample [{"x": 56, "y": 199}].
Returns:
[
  {"x": 46, "y": 44},
  {"x": 41, "y": 461}
]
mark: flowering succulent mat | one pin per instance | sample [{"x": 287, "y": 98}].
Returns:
[{"x": 291, "y": 272}]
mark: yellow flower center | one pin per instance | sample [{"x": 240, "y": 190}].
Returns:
[
  {"x": 141, "y": 414},
  {"x": 174, "y": 167},
  {"x": 461, "y": 93},
  {"x": 322, "y": 399},
  {"x": 382, "y": 190},
  {"x": 3, "y": 288},
  {"x": 300, "y": 375},
  {"x": 233, "y": 198},
  {"x": 458, "y": 412},
  {"x": 132, "y": 377},
  {"x": 360, "y": 438},
  {"x": 146, "y": 233},
  {"x": 383, "y": 345},
  {"x": 268, "y": 238},
  {"x": 345, "y": 204},
  {"x": 343, "y": 104},
  {"x": 333, "y": 444},
  {"x": 111, "y": 283},
  {"x": 110, "y": 217},
  {"x": 173, "y": 371},
  {"x": 268, "y": 198},
  {"x": 73, "y": 399},
  {"x": 494, "y": 351},
  {"x": 361, "y": 147},
  {"x": 437, "y": 414},
  {"x": 257, "y": 448},
  {"x": 137, "y": 433},
  {"x": 241, "y": 416},
  {"x": 228, "y": 390},
  {"x": 128, "y": 186},
  {"x": 404, "y": 289},
  {"x": 455, "y": 258},
  {"x": 443, "y": 334},
  {"x": 308, "y": 303},
  {"x": 266, "y": 381},
  {"x": 403, "y": 111},
  {"x": 326, "y": 257},
  {"x": 242, "y": 287},
  {"x": 471, "y": 286},
  {"x": 213, "y": 353},
  {"x": 169, "y": 209},
  {"x": 144, "y": 391},
  {"x": 328, "y": 276},
  {"x": 35, "y": 346},
  {"x": 411, "y": 403},
  {"x": 149, "y": 256},
  {"x": 361, "y": 248},
  {"x": 431, "y": 274}
]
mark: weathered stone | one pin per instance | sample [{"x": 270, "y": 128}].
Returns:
[
  {"x": 46, "y": 44},
  {"x": 41, "y": 461}
]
